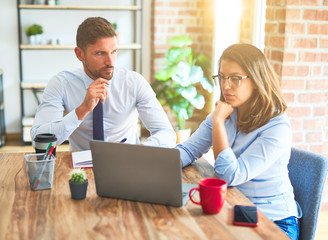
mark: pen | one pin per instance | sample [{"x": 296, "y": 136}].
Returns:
[
  {"x": 46, "y": 153},
  {"x": 50, "y": 152},
  {"x": 123, "y": 140},
  {"x": 38, "y": 175}
]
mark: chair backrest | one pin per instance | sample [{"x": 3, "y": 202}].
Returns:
[{"x": 307, "y": 172}]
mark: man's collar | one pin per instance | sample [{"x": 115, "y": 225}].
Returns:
[{"x": 86, "y": 79}]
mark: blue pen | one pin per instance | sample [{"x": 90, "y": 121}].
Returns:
[{"x": 123, "y": 140}]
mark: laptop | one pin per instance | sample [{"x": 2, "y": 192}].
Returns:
[{"x": 139, "y": 173}]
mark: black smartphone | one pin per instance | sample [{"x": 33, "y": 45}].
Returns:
[{"x": 245, "y": 215}]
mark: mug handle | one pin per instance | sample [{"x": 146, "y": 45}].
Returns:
[{"x": 190, "y": 196}]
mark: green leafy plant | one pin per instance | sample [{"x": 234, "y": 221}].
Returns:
[
  {"x": 176, "y": 84},
  {"x": 33, "y": 30},
  {"x": 78, "y": 175},
  {"x": 114, "y": 26}
]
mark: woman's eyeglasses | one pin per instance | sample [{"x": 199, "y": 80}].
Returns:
[{"x": 233, "y": 80}]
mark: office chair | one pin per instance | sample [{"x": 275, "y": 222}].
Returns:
[{"x": 307, "y": 173}]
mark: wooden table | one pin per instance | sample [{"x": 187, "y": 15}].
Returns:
[{"x": 52, "y": 214}]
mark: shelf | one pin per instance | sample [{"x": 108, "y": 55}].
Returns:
[
  {"x": 33, "y": 85},
  {"x": 63, "y": 7},
  {"x": 27, "y": 121},
  {"x": 28, "y": 13},
  {"x": 2, "y": 112},
  {"x": 46, "y": 47},
  {"x": 133, "y": 46}
]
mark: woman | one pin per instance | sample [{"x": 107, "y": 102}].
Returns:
[{"x": 250, "y": 134}]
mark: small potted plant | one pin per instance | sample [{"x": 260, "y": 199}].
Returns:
[
  {"x": 116, "y": 31},
  {"x": 78, "y": 183},
  {"x": 34, "y": 32},
  {"x": 114, "y": 26}
]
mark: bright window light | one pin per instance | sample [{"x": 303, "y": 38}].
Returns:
[{"x": 227, "y": 23}]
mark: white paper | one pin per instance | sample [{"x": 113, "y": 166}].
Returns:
[{"x": 82, "y": 159}]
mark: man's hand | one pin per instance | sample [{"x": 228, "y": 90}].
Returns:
[{"x": 97, "y": 91}]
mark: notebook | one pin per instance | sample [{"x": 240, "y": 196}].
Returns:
[
  {"x": 82, "y": 159},
  {"x": 139, "y": 173}
]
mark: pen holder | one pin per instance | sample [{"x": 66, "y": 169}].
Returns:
[{"x": 40, "y": 172}]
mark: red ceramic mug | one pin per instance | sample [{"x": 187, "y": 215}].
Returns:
[{"x": 212, "y": 193}]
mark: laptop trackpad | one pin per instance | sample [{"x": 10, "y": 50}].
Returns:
[{"x": 185, "y": 192}]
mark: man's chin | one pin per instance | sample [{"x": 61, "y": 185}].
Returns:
[{"x": 107, "y": 76}]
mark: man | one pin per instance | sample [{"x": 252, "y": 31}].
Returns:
[{"x": 124, "y": 95}]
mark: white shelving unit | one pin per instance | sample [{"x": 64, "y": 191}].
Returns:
[
  {"x": 38, "y": 63},
  {"x": 2, "y": 112}
]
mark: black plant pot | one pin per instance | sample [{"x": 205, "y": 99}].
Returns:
[{"x": 78, "y": 190}]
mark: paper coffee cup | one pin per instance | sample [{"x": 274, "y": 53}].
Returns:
[{"x": 41, "y": 142}]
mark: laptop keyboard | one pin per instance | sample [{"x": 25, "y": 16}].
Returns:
[
  {"x": 185, "y": 191},
  {"x": 184, "y": 194}
]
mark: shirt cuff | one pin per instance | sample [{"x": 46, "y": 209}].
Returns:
[
  {"x": 224, "y": 164},
  {"x": 71, "y": 121},
  {"x": 186, "y": 159}
]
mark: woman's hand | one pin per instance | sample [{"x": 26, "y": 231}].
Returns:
[
  {"x": 219, "y": 133},
  {"x": 221, "y": 112}
]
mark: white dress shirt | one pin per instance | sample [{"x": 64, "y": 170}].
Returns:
[
  {"x": 129, "y": 96},
  {"x": 256, "y": 163}
]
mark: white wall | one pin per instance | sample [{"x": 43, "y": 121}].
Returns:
[
  {"x": 9, "y": 64},
  {"x": 57, "y": 24}
]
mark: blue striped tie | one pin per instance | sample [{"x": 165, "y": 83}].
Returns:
[{"x": 98, "y": 122}]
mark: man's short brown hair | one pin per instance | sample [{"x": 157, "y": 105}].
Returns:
[{"x": 92, "y": 29}]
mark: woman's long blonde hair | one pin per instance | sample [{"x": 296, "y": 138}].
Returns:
[{"x": 267, "y": 100}]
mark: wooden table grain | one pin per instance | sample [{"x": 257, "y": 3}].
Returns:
[{"x": 52, "y": 214}]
